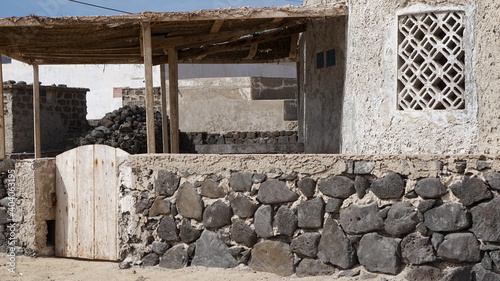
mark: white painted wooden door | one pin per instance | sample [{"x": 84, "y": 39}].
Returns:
[{"x": 87, "y": 191}]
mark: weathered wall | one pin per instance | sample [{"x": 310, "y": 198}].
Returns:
[
  {"x": 218, "y": 105},
  {"x": 312, "y": 214},
  {"x": 60, "y": 118},
  {"x": 7, "y": 204}
]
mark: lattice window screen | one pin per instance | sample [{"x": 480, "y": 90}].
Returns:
[{"x": 431, "y": 61}]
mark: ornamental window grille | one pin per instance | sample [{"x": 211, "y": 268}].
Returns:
[{"x": 431, "y": 63}]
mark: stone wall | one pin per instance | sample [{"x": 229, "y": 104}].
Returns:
[
  {"x": 63, "y": 113},
  {"x": 7, "y": 203},
  {"x": 313, "y": 214}
]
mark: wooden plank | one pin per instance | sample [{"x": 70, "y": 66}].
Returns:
[
  {"x": 173, "y": 77},
  {"x": 66, "y": 212},
  {"x": 164, "y": 115},
  {"x": 36, "y": 112},
  {"x": 216, "y": 26},
  {"x": 106, "y": 189},
  {"x": 2, "y": 115},
  {"x": 85, "y": 202},
  {"x": 148, "y": 67},
  {"x": 253, "y": 51}
]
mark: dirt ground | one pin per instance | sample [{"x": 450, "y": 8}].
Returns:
[{"x": 48, "y": 269}]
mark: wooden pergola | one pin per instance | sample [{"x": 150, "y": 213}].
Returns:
[{"x": 239, "y": 35}]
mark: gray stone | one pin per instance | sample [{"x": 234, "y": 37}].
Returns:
[
  {"x": 401, "y": 219},
  {"x": 166, "y": 183},
  {"x": 410, "y": 195},
  {"x": 493, "y": 180},
  {"x": 307, "y": 186},
  {"x": 485, "y": 225},
  {"x": 458, "y": 274},
  {"x": 243, "y": 233},
  {"x": 483, "y": 165},
  {"x": 460, "y": 247},
  {"x": 240, "y": 182},
  {"x": 363, "y": 167},
  {"x": 311, "y": 213},
  {"x": 495, "y": 258},
  {"x": 367, "y": 275},
  {"x": 150, "y": 259},
  {"x": 391, "y": 186},
  {"x": 258, "y": 178},
  {"x": 272, "y": 256},
  {"x": 217, "y": 215},
  {"x": 189, "y": 203},
  {"x": 372, "y": 247},
  {"x": 357, "y": 219},
  {"x": 422, "y": 229},
  {"x": 447, "y": 217},
  {"x": 430, "y": 188},
  {"x": 424, "y": 273},
  {"x": 426, "y": 205},
  {"x": 361, "y": 185},
  {"x": 159, "y": 247},
  {"x": 242, "y": 205},
  {"x": 273, "y": 191},
  {"x": 334, "y": 246},
  {"x": 263, "y": 221},
  {"x": 211, "y": 251},
  {"x": 211, "y": 189},
  {"x": 486, "y": 262},
  {"x": 311, "y": 267},
  {"x": 188, "y": 233},
  {"x": 337, "y": 186},
  {"x": 333, "y": 205},
  {"x": 306, "y": 244},
  {"x": 417, "y": 249},
  {"x": 289, "y": 177},
  {"x": 350, "y": 273},
  {"x": 167, "y": 229},
  {"x": 470, "y": 191},
  {"x": 285, "y": 221},
  {"x": 160, "y": 207},
  {"x": 436, "y": 240},
  {"x": 175, "y": 258},
  {"x": 481, "y": 274}
]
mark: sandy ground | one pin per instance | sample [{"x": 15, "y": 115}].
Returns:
[{"x": 48, "y": 269}]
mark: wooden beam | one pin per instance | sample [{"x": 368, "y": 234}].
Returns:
[
  {"x": 164, "y": 115},
  {"x": 2, "y": 117},
  {"x": 294, "y": 41},
  {"x": 148, "y": 70},
  {"x": 252, "y": 52},
  {"x": 276, "y": 20},
  {"x": 173, "y": 77},
  {"x": 36, "y": 111},
  {"x": 216, "y": 26}
]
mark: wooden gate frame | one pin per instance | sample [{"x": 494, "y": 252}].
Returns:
[{"x": 87, "y": 190}]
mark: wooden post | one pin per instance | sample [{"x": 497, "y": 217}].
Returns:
[
  {"x": 2, "y": 118},
  {"x": 164, "y": 115},
  {"x": 36, "y": 111},
  {"x": 148, "y": 69},
  {"x": 173, "y": 77}
]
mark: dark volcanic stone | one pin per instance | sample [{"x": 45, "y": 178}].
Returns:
[
  {"x": 372, "y": 247},
  {"x": 311, "y": 267},
  {"x": 166, "y": 183},
  {"x": 151, "y": 259},
  {"x": 188, "y": 233},
  {"x": 240, "y": 182},
  {"x": 243, "y": 233},
  {"x": 401, "y": 219},
  {"x": 217, "y": 215},
  {"x": 430, "y": 188},
  {"x": 311, "y": 213},
  {"x": 337, "y": 186},
  {"x": 286, "y": 221},
  {"x": 481, "y": 274},
  {"x": 391, "y": 186},
  {"x": 426, "y": 205},
  {"x": 333, "y": 205},
  {"x": 493, "y": 180},
  {"x": 211, "y": 189},
  {"x": 424, "y": 273},
  {"x": 189, "y": 203},
  {"x": 159, "y": 247},
  {"x": 263, "y": 221},
  {"x": 306, "y": 244},
  {"x": 258, "y": 178},
  {"x": 460, "y": 247},
  {"x": 436, "y": 240},
  {"x": 357, "y": 219},
  {"x": 417, "y": 249},
  {"x": 307, "y": 186},
  {"x": 274, "y": 191},
  {"x": 211, "y": 251},
  {"x": 167, "y": 229},
  {"x": 160, "y": 206},
  {"x": 272, "y": 256},
  {"x": 470, "y": 191},
  {"x": 363, "y": 167},
  {"x": 361, "y": 185},
  {"x": 334, "y": 246},
  {"x": 485, "y": 225},
  {"x": 242, "y": 205},
  {"x": 458, "y": 274},
  {"x": 447, "y": 217},
  {"x": 175, "y": 258}
]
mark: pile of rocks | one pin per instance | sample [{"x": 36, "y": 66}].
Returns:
[{"x": 124, "y": 128}]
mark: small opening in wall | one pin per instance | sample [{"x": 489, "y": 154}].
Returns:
[
  {"x": 320, "y": 60},
  {"x": 51, "y": 232},
  {"x": 330, "y": 58}
]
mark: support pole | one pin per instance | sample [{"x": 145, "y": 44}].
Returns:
[
  {"x": 36, "y": 111},
  {"x": 173, "y": 76},
  {"x": 164, "y": 115},
  {"x": 2, "y": 117},
  {"x": 148, "y": 69}
]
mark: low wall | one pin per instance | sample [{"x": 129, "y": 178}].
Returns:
[{"x": 313, "y": 214}]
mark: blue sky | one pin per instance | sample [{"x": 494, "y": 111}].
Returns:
[{"x": 55, "y": 8}]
